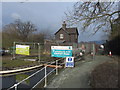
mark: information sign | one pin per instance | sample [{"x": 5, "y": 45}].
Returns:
[
  {"x": 22, "y": 49},
  {"x": 61, "y": 51},
  {"x": 69, "y": 62}
]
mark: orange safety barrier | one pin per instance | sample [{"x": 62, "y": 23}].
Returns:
[{"x": 53, "y": 66}]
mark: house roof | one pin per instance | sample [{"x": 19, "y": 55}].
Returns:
[{"x": 69, "y": 31}]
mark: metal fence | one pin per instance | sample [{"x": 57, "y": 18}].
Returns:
[
  {"x": 45, "y": 75},
  {"x": 15, "y": 86}
]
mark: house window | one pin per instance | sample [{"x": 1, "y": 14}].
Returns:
[{"x": 61, "y": 36}]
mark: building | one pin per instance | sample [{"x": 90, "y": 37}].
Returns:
[
  {"x": 48, "y": 44},
  {"x": 66, "y": 35}
]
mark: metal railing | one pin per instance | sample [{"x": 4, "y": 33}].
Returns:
[{"x": 44, "y": 78}]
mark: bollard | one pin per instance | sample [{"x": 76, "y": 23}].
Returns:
[{"x": 45, "y": 76}]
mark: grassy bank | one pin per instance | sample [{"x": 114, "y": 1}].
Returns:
[
  {"x": 20, "y": 77},
  {"x": 105, "y": 75},
  {"x": 21, "y": 62},
  {"x": 12, "y": 64}
]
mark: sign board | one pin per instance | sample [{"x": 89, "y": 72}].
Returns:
[
  {"x": 69, "y": 62},
  {"x": 22, "y": 49},
  {"x": 61, "y": 51}
]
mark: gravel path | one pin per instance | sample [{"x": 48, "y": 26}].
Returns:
[{"x": 77, "y": 77}]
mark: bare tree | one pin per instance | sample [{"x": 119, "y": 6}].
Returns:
[
  {"x": 20, "y": 29},
  {"x": 17, "y": 31},
  {"x": 24, "y": 29},
  {"x": 97, "y": 14},
  {"x": 37, "y": 37}
]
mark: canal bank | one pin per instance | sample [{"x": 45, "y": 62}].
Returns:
[
  {"x": 12, "y": 77},
  {"x": 29, "y": 78}
]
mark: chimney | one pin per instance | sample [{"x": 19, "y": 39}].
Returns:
[{"x": 64, "y": 25}]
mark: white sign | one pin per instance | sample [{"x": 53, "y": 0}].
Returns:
[
  {"x": 69, "y": 62},
  {"x": 62, "y": 47}
]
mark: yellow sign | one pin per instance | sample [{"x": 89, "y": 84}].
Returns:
[{"x": 22, "y": 49}]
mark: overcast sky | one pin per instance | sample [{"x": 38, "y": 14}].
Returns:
[{"x": 45, "y": 15}]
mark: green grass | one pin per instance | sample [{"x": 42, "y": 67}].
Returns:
[
  {"x": 7, "y": 63},
  {"x": 105, "y": 75},
  {"x": 17, "y": 63},
  {"x": 28, "y": 58}
]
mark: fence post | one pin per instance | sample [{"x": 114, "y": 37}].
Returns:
[
  {"x": 39, "y": 51},
  {"x": 56, "y": 67},
  {"x": 15, "y": 86},
  {"x": 45, "y": 76},
  {"x": 34, "y": 45},
  {"x": 13, "y": 50}
]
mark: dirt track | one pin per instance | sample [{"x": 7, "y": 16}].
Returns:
[{"x": 77, "y": 77}]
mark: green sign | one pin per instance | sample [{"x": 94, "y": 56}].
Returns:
[
  {"x": 22, "y": 49},
  {"x": 61, "y": 51}
]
